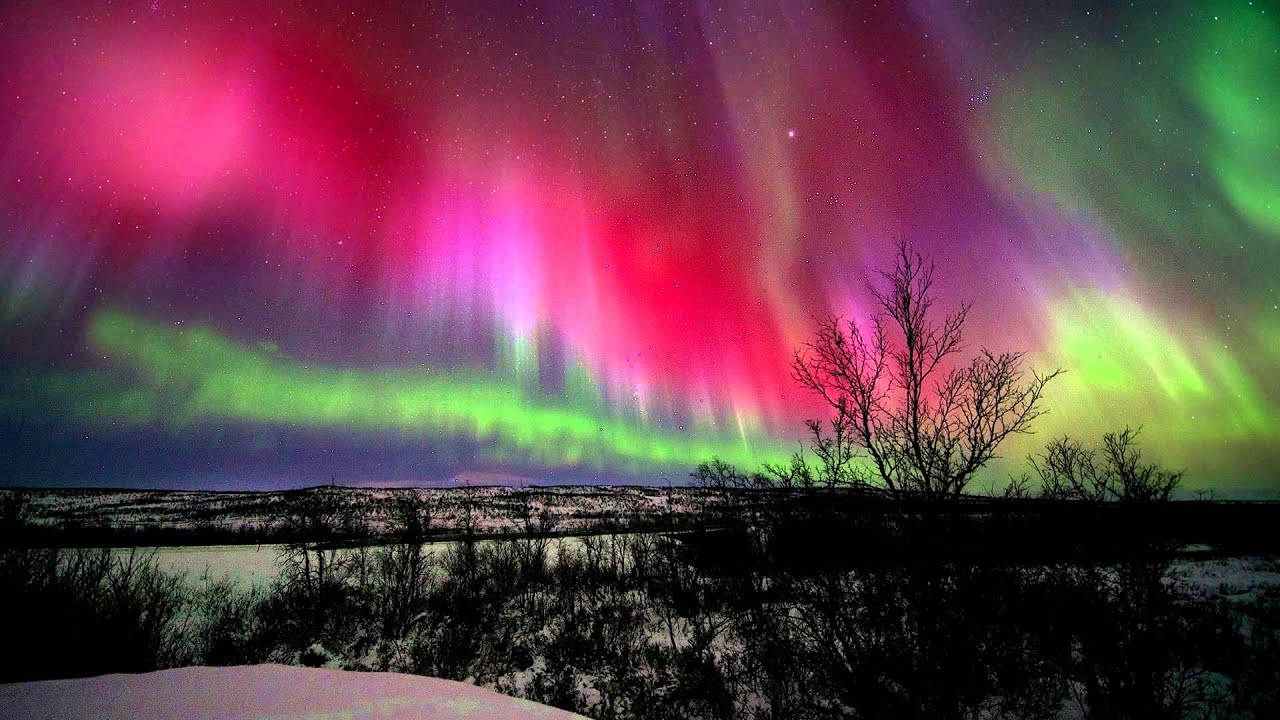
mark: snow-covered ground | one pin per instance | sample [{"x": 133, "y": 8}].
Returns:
[
  {"x": 249, "y": 565},
  {"x": 258, "y": 565},
  {"x": 262, "y": 691},
  {"x": 1238, "y": 580}
]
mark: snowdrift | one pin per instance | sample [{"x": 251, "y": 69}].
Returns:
[{"x": 263, "y": 691}]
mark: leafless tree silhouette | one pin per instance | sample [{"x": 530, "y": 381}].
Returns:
[
  {"x": 401, "y": 567},
  {"x": 926, "y": 422},
  {"x": 318, "y": 521},
  {"x": 1068, "y": 470}
]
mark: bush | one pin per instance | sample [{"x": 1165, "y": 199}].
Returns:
[
  {"x": 86, "y": 612},
  {"x": 1116, "y": 473}
]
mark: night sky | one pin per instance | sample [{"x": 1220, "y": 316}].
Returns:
[{"x": 244, "y": 244}]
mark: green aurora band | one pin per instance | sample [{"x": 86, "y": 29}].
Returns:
[{"x": 184, "y": 376}]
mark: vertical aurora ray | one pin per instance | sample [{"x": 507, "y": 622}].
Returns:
[{"x": 583, "y": 241}]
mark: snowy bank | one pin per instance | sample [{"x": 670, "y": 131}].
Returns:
[{"x": 262, "y": 691}]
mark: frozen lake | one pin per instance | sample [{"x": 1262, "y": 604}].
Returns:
[
  {"x": 256, "y": 564},
  {"x": 249, "y": 564}
]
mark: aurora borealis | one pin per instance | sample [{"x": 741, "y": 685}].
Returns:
[{"x": 257, "y": 244}]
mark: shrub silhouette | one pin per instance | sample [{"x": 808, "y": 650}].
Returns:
[
  {"x": 87, "y": 612},
  {"x": 1116, "y": 473}
]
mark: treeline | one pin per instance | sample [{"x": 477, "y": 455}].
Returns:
[
  {"x": 890, "y": 529},
  {"x": 99, "y": 518},
  {"x": 699, "y": 624},
  {"x": 1027, "y": 529}
]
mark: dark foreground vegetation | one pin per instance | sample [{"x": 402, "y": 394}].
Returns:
[{"x": 763, "y": 613}]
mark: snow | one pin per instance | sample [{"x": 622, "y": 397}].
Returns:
[
  {"x": 252, "y": 565},
  {"x": 262, "y": 691},
  {"x": 1240, "y": 579}
]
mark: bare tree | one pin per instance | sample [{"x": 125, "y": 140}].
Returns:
[
  {"x": 718, "y": 479},
  {"x": 926, "y": 423},
  {"x": 1068, "y": 470},
  {"x": 837, "y": 452},
  {"x": 318, "y": 523},
  {"x": 402, "y": 564},
  {"x": 533, "y": 546}
]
